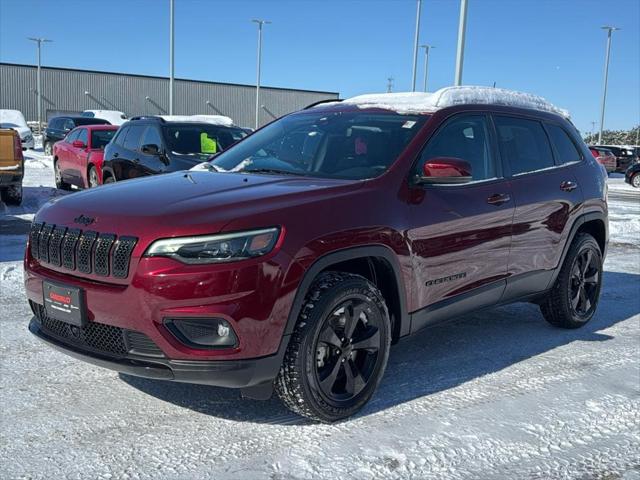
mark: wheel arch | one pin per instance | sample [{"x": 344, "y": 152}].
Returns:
[
  {"x": 593, "y": 223},
  {"x": 377, "y": 263}
]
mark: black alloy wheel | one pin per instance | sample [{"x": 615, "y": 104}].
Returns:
[{"x": 347, "y": 350}]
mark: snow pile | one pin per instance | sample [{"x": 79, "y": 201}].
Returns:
[
  {"x": 419, "y": 102},
  {"x": 624, "y": 211},
  {"x": 212, "y": 119}
]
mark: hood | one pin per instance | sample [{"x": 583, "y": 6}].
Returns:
[
  {"x": 188, "y": 203},
  {"x": 23, "y": 131}
]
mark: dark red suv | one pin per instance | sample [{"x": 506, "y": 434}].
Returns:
[{"x": 295, "y": 258}]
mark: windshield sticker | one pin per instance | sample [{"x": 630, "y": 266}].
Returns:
[{"x": 409, "y": 124}]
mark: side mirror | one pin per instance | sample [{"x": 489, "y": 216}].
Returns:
[
  {"x": 151, "y": 149},
  {"x": 79, "y": 144},
  {"x": 444, "y": 170}
]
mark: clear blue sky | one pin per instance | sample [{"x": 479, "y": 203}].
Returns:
[{"x": 553, "y": 48}]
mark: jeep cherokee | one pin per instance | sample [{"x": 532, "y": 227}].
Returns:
[{"x": 295, "y": 258}]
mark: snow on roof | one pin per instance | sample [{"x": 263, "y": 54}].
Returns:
[
  {"x": 419, "y": 102},
  {"x": 212, "y": 119},
  {"x": 14, "y": 117}
]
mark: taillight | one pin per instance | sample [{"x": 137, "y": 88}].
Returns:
[{"x": 17, "y": 147}]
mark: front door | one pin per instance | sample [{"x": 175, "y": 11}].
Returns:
[{"x": 460, "y": 234}]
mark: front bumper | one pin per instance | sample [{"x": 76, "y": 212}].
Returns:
[{"x": 221, "y": 373}]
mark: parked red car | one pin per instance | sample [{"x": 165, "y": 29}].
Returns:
[
  {"x": 605, "y": 157},
  {"x": 77, "y": 160},
  {"x": 296, "y": 257}
]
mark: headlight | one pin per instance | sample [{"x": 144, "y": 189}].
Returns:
[{"x": 225, "y": 247}]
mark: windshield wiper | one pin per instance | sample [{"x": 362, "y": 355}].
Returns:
[{"x": 271, "y": 171}]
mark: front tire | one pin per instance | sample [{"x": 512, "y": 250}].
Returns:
[
  {"x": 635, "y": 180},
  {"x": 574, "y": 296},
  {"x": 47, "y": 148},
  {"x": 338, "y": 352}
]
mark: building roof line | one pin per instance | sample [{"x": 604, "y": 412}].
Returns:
[{"x": 68, "y": 69}]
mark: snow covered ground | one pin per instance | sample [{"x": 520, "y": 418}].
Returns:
[{"x": 498, "y": 394}]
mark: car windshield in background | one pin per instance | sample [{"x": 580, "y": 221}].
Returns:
[
  {"x": 200, "y": 139},
  {"x": 348, "y": 145},
  {"x": 100, "y": 138}
]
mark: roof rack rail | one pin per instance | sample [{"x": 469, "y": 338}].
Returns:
[
  {"x": 328, "y": 100},
  {"x": 146, "y": 117}
]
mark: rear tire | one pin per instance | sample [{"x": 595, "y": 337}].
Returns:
[
  {"x": 92, "y": 177},
  {"x": 108, "y": 179},
  {"x": 62, "y": 185},
  {"x": 12, "y": 195},
  {"x": 574, "y": 296},
  {"x": 338, "y": 352},
  {"x": 635, "y": 180}
]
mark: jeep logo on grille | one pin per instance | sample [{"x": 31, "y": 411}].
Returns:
[{"x": 82, "y": 220}]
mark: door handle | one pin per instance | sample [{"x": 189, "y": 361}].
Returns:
[
  {"x": 568, "y": 186},
  {"x": 498, "y": 199}
]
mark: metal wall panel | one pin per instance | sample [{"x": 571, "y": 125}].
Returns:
[{"x": 66, "y": 90}]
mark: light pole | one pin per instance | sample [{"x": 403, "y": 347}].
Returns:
[
  {"x": 462, "y": 30},
  {"x": 426, "y": 62},
  {"x": 39, "y": 41},
  {"x": 609, "y": 30},
  {"x": 415, "y": 47},
  {"x": 171, "y": 56},
  {"x": 389, "y": 84},
  {"x": 260, "y": 23}
]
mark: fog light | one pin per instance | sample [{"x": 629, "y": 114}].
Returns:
[{"x": 203, "y": 332}]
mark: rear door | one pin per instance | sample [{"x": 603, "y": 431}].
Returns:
[
  {"x": 460, "y": 233},
  {"x": 547, "y": 199},
  {"x": 129, "y": 160},
  {"x": 77, "y": 157},
  {"x": 62, "y": 152}
]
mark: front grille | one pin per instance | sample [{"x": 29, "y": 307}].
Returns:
[
  {"x": 88, "y": 252},
  {"x": 98, "y": 337}
]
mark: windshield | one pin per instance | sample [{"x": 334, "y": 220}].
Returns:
[
  {"x": 100, "y": 138},
  {"x": 348, "y": 145},
  {"x": 199, "y": 139}
]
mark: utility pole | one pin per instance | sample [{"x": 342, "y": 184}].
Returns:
[
  {"x": 389, "y": 84},
  {"x": 39, "y": 41},
  {"x": 609, "y": 30},
  {"x": 415, "y": 47},
  {"x": 260, "y": 23},
  {"x": 426, "y": 62},
  {"x": 171, "y": 56},
  {"x": 462, "y": 30}
]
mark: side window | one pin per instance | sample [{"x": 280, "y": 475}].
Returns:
[
  {"x": 83, "y": 136},
  {"x": 465, "y": 137},
  {"x": 55, "y": 123},
  {"x": 120, "y": 136},
  {"x": 132, "y": 141},
  {"x": 523, "y": 144},
  {"x": 565, "y": 148},
  {"x": 71, "y": 136},
  {"x": 151, "y": 137}
]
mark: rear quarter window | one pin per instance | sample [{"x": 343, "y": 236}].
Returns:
[{"x": 565, "y": 149}]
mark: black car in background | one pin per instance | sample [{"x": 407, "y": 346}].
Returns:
[
  {"x": 58, "y": 127},
  {"x": 624, "y": 155},
  {"x": 152, "y": 145},
  {"x": 632, "y": 175}
]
